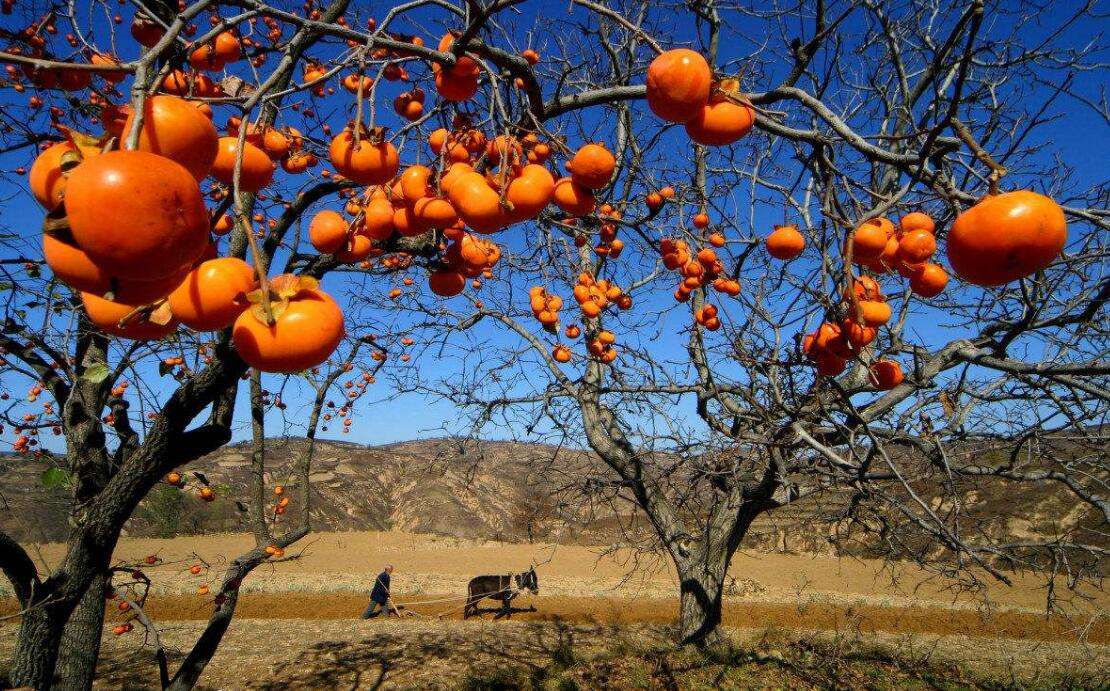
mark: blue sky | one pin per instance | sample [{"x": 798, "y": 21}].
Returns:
[{"x": 1075, "y": 134}]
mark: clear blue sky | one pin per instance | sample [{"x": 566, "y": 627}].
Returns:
[{"x": 1080, "y": 138}]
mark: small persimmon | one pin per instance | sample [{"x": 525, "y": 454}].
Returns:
[
  {"x": 929, "y": 281},
  {"x": 885, "y": 374},
  {"x": 213, "y": 294},
  {"x": 328, "y": 232},
  {"x": 785, "y": 242},
  {"x": 592, "y": 166}
]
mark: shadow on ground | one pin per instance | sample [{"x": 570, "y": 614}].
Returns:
[{"x": 562, "y": 656}]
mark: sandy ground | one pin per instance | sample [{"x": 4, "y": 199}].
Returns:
[{"x": 336, "y": 562}]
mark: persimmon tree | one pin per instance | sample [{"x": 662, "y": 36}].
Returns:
[
  {"x": 161, "y": 240},
  {"x": 814, "y": 350}
]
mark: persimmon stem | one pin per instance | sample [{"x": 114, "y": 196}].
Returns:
[
  {"x": 359, "y": 96},
  {"x": 997, "y": 170},
  {"x": 245, "y": 224}
]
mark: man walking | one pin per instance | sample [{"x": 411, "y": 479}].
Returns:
[{"x": 379, "y": 596}]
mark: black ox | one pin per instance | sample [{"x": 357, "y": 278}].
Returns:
[{"x": 503, "y": 587}]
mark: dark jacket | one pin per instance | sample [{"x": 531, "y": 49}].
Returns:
[{"x": 380, "y": 593}]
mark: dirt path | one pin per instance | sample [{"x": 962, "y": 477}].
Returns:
[{"x": 821, "y": 616}]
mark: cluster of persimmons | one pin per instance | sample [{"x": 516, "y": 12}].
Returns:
[{"x": 131, "y": 232}]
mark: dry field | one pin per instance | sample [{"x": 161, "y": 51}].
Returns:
[
  {"x": 433, "y": 654},
  {"x": 297, "y": 615}
]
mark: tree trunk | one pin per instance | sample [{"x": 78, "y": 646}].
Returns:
[
  {"x": 40, "y": 633},
  {"x": 80, "y": 647},
  {"x": 701, "y": 587},
  {"x": 205, "y": 648}
]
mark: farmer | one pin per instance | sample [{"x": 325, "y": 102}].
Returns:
[{"x": 379, "y": 596}]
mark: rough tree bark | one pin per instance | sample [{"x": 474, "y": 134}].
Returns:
[
  {"x": 92, "y": 543},
  {"x": 80, "y": 646},
  {"x": 701, "y": 587}
]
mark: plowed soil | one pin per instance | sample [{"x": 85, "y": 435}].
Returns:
[{"x": 616, "y": 611}]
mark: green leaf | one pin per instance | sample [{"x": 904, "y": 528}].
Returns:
[
  {"x": 55, "y": 477},
  {"x": 96, "y": 374}
]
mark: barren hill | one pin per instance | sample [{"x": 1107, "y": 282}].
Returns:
[
  {"x": 486, "y": 490},
  {"x": 496, "y": 490}
]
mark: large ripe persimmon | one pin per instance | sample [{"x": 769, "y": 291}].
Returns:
[
  {"x": 257, "y": 169},
  {"x": 573, "y": 198},
  {"x": 276, "y": 144},
  {"x": 176, "y": 129},
  {"x": 414, "y": 183},
  {"x": 477, "y": 203},
  {"x": 592, "y": 166},
  {"x": 870, "y": 239},
  {"x": 856, "y": 335},
  {"x": 460, "y": 82},
  {"x": 356, "y": 248},
  {"x": 507, "y": 147},
  {"x": 453, "y": 86},
  {"x": 874, "y": 312},
  {"x": 377, "y": 220},
  {"x": 328, "y": 231},
  {"x": 864, "y": 288},
  {"x": 46, "y": 179},
  {"x": 146, "y": 31},
  {"x": 213, "y": 294},
  {"x": 455, "y": 150},
  {"x": 916, "y": 246},
  {"x": 472, "y": 255},
  {"x": 435, "y": 212},
  {"x": 721, "y": 121},
  {"x": 307, "y": 328},
  {"x": 678, "y": 84},
  {"x": 73, "y": 267},
  {"x": 136, "y": 214},
  {"x": 227, "y": 47},
  {"x": 1006, "y": 237},
  {"x": 106, "y": 315},
  {"x": 885, "y": 374},
  {"x": 446, "y": 283},
  {"x": 916, "y": 220},
  {"x": 929, "y": 281},
  {"x": 367, "y": 163},
  {"x": 204, "y": 57},
  {"x": 531, "y": 191}
]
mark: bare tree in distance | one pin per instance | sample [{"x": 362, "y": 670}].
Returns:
[{"x": 920, "y": 107}]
